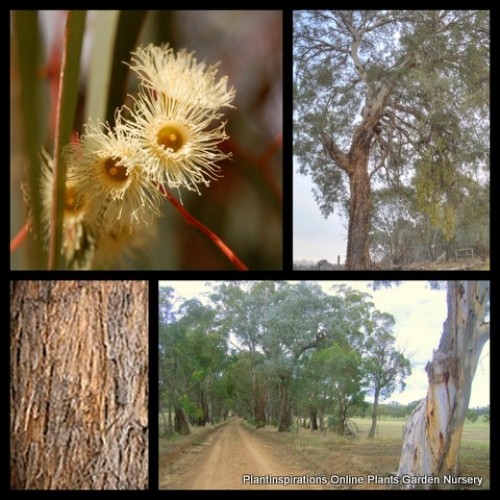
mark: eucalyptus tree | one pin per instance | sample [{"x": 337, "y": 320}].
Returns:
[
  {"x": 298, "y": 322},
  {"x": 433, "y": 432},
  {"x": 382, "y": 97},
  {"x": 281, "y": 321},
  {"x": 395, "y": 239},
  {"x": 304, "y": 319},
  {"x": 384, "y": 366},
  {"x": 241, "y": 307},
  {"x": 170, "y": 369},
  {"x": 192, "y": 357},
  {"x": 330, "y": 381},
  {"x": 203, "y": 357}
]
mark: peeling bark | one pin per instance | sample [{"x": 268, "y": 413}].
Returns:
[
  {"x": 434, "y": 430},
  {"x": 79, "y": 385}
]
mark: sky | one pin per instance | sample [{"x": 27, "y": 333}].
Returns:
[
  {"x": 315, "y": 238},
  {"x": 419, "y": 313}
]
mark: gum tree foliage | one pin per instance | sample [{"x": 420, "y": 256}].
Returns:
[
  {"x": 330, "y": 382},
  {"x": 193, "y": 355},
  {"x": 389, "y": 97},
  {"x": 401, "y": 234},
  {"x": 279, "y": 323},
  {"x": 169, "y": 366},
  {"x": 394, "y": 238},
  {"x": 384, "y": 366},
  {"x": 241, "y": 308},
  {"x": 280, "y": 320}
]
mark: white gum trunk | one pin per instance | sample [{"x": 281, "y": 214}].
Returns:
[{"x": 434, "y": 430}]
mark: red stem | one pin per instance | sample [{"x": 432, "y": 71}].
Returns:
[
  {"x": 20, "y": 236},
  {"x": 204, "y": 229}
]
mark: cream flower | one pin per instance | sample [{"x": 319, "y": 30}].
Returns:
[
  {"x": 118, "y": 191},
  {"x": 176, "y": 144},
  {"x": 77, "y": 241},
  {"x": 180, "y": 76},
  {"x": 174, "y": 117}
]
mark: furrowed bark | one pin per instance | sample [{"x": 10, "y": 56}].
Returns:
[{"x": 79, "y": 385}]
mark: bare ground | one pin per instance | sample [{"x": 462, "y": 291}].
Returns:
[{"x": 228, "y": 453}]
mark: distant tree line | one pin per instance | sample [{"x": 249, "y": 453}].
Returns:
[{"x": 270, "y": 351}]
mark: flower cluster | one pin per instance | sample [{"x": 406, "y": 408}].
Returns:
[{"x": 170, "y": 136}]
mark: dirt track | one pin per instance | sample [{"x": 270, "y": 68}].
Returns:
[{"x": 222, "y": 460}]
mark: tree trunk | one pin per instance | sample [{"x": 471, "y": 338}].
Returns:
[
  {"x": 79, "y": 385},
  {"x": 284, "y": 416},
  {"x": 260, "y": 396},
  {"x": 321, "y": 418},
  {"x": 203, "y": 403},
  {"x": 341, "y": 423},
  {"x": 260, "y": 410},
  {"x": 313, "y": 415},
  {"x": 170, "y": 425},
  {"x": 434, "y": 430},
  {"x": 371, "y": 434},
  {"x": 358, "y": 256},
  {"x": 181, "y": 423}
]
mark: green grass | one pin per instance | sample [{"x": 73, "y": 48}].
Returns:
[{"x": 345, "y": 455}]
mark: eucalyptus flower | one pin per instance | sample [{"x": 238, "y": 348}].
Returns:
[{"x": 119, "y": 193}]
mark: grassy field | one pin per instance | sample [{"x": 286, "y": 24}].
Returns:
[{"x": 332, "y": 454}]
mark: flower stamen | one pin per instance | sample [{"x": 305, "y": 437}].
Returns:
[
  {"x": 115, "y": 171},
  {"x": 170, "y": 137}
]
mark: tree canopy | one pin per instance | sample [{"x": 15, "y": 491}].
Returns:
[
  {"x": 392, "y": 99},
  {"x": 270, "y": 350}
]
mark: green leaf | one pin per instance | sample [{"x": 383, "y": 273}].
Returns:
[
  {"x": 25, "y": 24},
  {"x": 66, "y": 107}
]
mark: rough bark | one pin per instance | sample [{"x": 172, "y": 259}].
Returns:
[
  {"x": 79, "y": 385},
  {"x": 358, "y": 256},
  {"x": 434, "y": 430}
]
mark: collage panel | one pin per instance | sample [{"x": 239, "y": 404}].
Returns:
[
  {"x": 324, "y": 385},
  {"x": 146, "y": 154},
  {"x": 79, "y": 376},
  {"x": 391, "y": 140}
]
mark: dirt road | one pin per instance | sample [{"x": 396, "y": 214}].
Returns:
[{"x": 226, "y": 456}]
